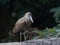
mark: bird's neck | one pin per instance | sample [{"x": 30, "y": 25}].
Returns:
[{"x": 26, "y": 17}]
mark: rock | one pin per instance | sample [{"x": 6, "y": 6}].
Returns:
[{"x": 54, "y": 41}]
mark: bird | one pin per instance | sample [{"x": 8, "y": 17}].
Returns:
[{"x": 23, "y": 23}]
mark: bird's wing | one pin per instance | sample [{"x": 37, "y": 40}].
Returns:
[{"x": 20, "y": 25}]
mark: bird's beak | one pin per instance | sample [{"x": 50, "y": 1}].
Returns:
[{"x": 31, "y": 19}]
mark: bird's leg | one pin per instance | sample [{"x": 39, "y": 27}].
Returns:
[
  {"x": 24, "y": 36},
  {"x": 20, "y": 36}
]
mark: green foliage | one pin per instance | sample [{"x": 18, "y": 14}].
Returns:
[
  {"x": 47, "y": 33},
  {"x": 51, "y": 31},
  {"x": 56, "y": 15}
]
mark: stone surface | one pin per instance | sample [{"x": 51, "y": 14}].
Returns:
[{"x": 53, "y": 41}]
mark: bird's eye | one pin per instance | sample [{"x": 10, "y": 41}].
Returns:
[{"x": 29, "y": 14}]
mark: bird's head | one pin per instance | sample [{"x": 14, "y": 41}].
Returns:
[{"x": 29, "y": 15}]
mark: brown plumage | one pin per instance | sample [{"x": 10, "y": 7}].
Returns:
[{"x": 23, "y": 23}]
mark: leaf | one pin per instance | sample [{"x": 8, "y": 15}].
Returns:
[{"x": 56, "y": 14}]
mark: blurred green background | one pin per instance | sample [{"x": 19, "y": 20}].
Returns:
[{"x": 11, "y": 10}]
